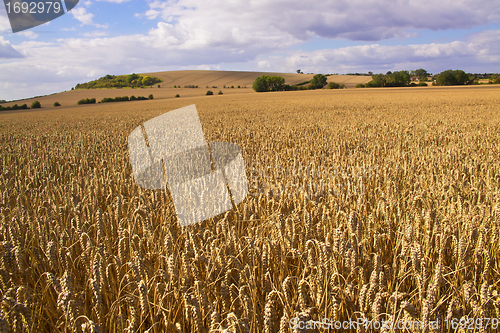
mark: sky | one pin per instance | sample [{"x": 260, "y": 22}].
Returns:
[{"x": 100, "y": 37}]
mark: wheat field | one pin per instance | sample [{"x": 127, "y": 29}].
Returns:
[{"x": 376, "y": 204}]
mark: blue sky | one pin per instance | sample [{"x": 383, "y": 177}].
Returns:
[{"x": 341, "y": 36}]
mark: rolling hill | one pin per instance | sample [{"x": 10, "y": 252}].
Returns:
[{"x": 200, "y": 78}]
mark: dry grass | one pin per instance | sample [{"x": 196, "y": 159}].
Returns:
[{"x": 406, "y": 226}]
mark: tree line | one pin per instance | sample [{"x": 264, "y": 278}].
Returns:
[
  {"x": 404, "y": 79},
  {"x": 266, "y": 83},
  {"x": 34, "y": 105},
  {"x": 120, "y": 81},
  {"x": 116, "y": 99},
  {"x": 401, "y": 78}
]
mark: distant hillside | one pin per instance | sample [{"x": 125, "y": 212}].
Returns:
[
  {"x": 184, "y": 81},
  {"x": 202, "y": 78}
]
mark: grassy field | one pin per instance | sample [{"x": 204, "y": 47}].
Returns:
[
  {"x": 380, "y": 204},
  {"x": 200, "y": 78}
]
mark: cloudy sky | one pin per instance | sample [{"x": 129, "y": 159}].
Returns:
[{"x": 101, "y": 37}]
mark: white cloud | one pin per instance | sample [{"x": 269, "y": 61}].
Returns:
[
  {"x": 81, "y": 15},
  {"x": 152, "y": 14},
  {"x": 115, "y": 1},
  {"x": 264, "y": 64},
  {"x": 30, "y": 34},
  {"x": 4, "y": 20},
  {"x": 7, "y": 51},
  {"x": 95, "y": 34},
  {"x": 480, "y": 48},
  {"x": 280, "y": 20}
]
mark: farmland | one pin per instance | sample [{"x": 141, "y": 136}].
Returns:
[
  {"x": 174, "y": 82},
  {"x": 379, "y": 204}
]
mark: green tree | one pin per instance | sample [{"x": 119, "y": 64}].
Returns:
[
  {"x": 269, "y": 83},
  {"x": 36, "y": 105},
  {"x": 57, "y": 104},
  {"x": 261, "y": 84},
  {"x": 318, "y": 81},
  {"x": 147, "y": 81},
  {"x": 421, "y": 73},
  {"x": 333, "y": 85},
  {"x": 150, "y": 96},
  {"x": 276, "y": 83},
  {"x": 452, "y": 78},
  {"x": 209, "y": 92},
  {"x": 378, "y": 80},
  {"x": 132, "y": 77},
  {"x": 398, "y": 79}
]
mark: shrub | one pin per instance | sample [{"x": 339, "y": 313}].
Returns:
[
  {"x": 150, "y": 96},
  {"x": 452, "y": 78},
  {"x": 220, "y": 92},
  {"x": 133, "y": 98},
  {"x": 175, "y": 86},
  {"x": 422, "y": 84},
  {"x": 14, "y": 107},
  {"x": 86, "y": 101},
  {"x": 318, "y": 81},
  {"x": 36, "y": 105},
  {"x": 158, "y": 86},
  {"x": 232, "y": 87},
  {"x": 360, "y": 85},
  {"x": 209, "y": 92},
  {"x": 239, "y": 87},
  {"x": 177, "y": 95},
  {"x": 333, "y": 85},
  {"x": 147, "y": 81},
  {"x": 269, "y": 83},
  {"x": 57, "y": 104}
]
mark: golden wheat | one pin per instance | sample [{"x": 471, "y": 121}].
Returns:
[{"x": 382, "y": 205}]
